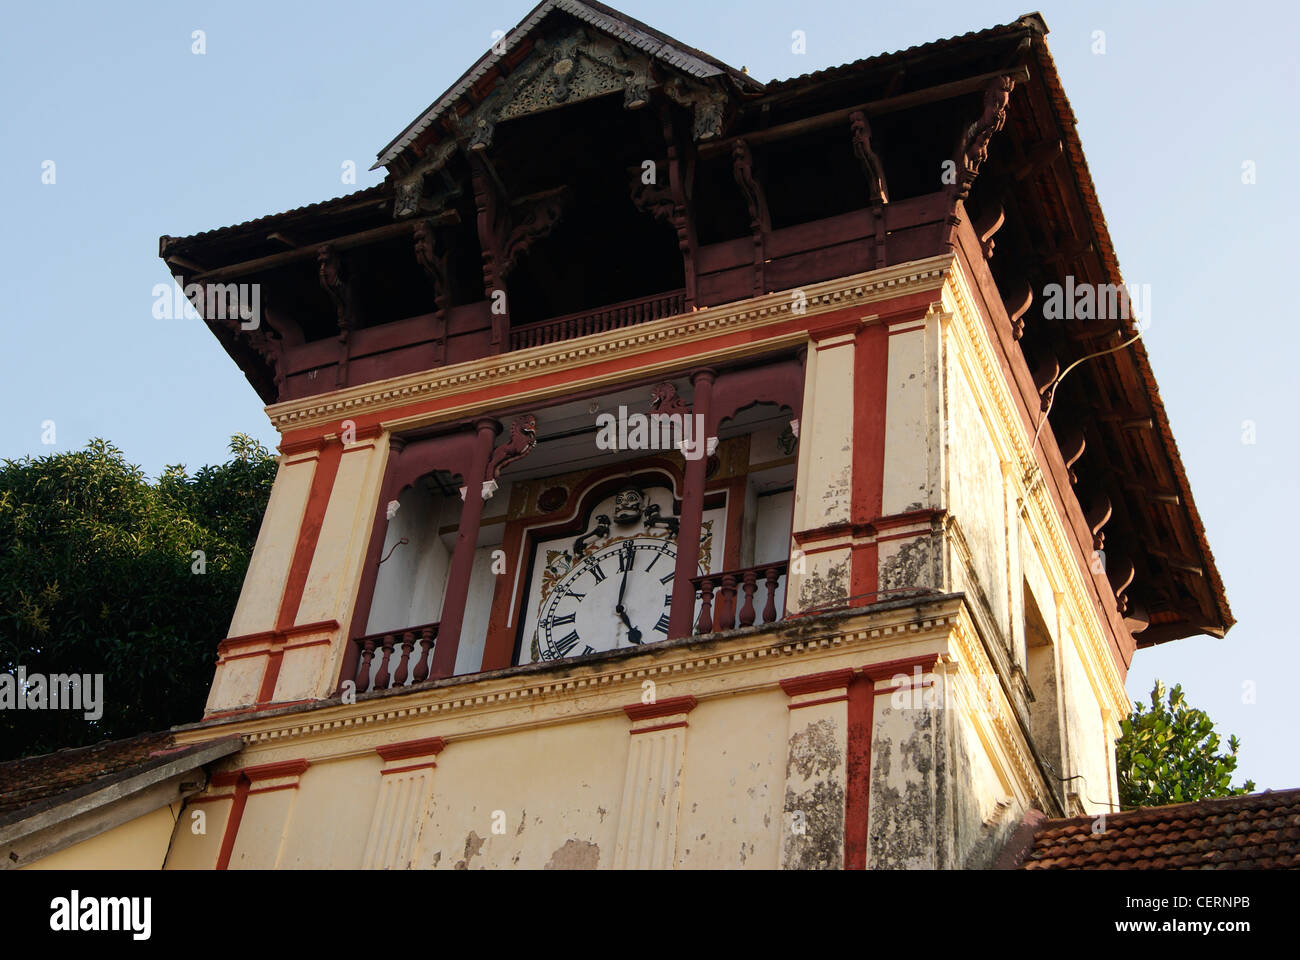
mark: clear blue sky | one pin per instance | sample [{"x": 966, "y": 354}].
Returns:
[{"x": 149, "y": 138}]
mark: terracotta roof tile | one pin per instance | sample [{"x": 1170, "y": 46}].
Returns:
[{"x": 1258, "y": 831}]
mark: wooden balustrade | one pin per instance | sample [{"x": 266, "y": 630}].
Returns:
[
  {"x": 718, "y": 592},
  {"x": 398, "y": 663},
  {"x": 613, "y": 316}
]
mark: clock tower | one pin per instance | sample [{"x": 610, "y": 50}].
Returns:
[{"x": 676, "y": 471}]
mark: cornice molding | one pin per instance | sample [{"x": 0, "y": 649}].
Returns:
[
  {"x": 998, "y": 710},
  {"x": 568, "y": 355},
  {"x": 804, "y": 642}
]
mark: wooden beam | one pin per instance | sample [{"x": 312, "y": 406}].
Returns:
[
  {"x": 399, "y": 229},
  {"x": 904, "y": 101}
]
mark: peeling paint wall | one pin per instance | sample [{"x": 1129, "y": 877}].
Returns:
[
  {"x": 913, "y": 430},
  {"x": 912, "y": 564},
  {"x": 977, "y": 501},
  {"x": 906, "y": 758}
]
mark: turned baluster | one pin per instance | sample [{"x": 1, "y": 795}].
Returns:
[
  {"x": 422, "y": 665},
  {"x": 724, "y": 617},
  {"x": 363, "y": 672},
  {"x": 385, "y": 658},
  {"x": 404, "y": 660},
  {"x": 747, "y": 608},
  {"x": 771, "y": 575},
  {"x": 705, "y": 622}
]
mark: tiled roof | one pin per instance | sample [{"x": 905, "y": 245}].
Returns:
[
  {"x": 52, "y": 778},
  {"x": 1259, "y": 831},
  {"x": 1032, "y": 20},
  {"x": 378, "y": 191}
]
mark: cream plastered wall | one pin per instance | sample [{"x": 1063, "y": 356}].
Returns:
[
  {"x": 412, "y": 578},
  {"x": 914, "y": 449},
  {"x": 237, "y": 681},
  {"x": 819, "y": 571},
  {"x": 545, "y": 768},
  {"x": 991, "y": 479},
  {"x": 259, "y": 599},
  {"x": 139, "y": 844},
  {"x": 332, "y": 581}
]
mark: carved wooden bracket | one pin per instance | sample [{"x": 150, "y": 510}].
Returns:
[
  {"x": 974, "y": 147},
  {"x": 671, "y": 201},
  {"x": 529, "y": 220},
  {"x": 1044, "y": 376},
  {"x": 508, "y": 230},
  {"x": 336, "y": 283},
  {"x": 1071, "y": 443},
  {"x": 665, "y": 399},
  {"x": 707, "y": 103},
  {"x": 1018, "y": 299},
  {"x": 1120, "y": 573},
  {"x": 872, "y": 168},
  {"x": 1098, "y": 516},
  {"x": 490, "y": 207},
  {"x": 434, "y": 266},
  {"x": 431, "y": 262},
  {"x": 988, "y": 224},
  {"x": 519, "y": 444},
  {"x": 760, "y": 223}
]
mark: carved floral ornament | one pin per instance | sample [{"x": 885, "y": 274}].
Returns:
[{"x": 575, "y": 66}]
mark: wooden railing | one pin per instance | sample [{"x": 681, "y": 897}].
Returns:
[
  {"x": 389, "y": 659},
  {"x": 717, "y": 594},
  {"x": 613, "y": 316}
]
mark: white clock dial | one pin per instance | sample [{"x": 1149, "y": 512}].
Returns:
[
  {"x": 617, "y": 596},
  {"x": 607, "y": 584}
]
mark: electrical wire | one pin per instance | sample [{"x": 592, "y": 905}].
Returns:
[{"x": 1051, "y": 398}]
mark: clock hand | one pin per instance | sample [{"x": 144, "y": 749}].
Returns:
[
  {"x": 633, "y": 634},
  {"x": 627, "y": 558}
]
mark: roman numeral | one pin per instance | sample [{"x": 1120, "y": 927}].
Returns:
[
  {"x": 587, "y": 649},
  {"x": 662, "y": 625},
  {"x": 598, "y": 573},
  {"x": 668, "y": 577},
  {"x": 668, "y": 599},
  {"x": 565, "y": 644},
  {"x": 626, "y": 561},
  {"x": 567, "y": 618},
  {"x": 578, "y": 596}
]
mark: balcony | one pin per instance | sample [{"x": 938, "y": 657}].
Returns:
[
  {"x": 615, "y": 316},
  {"x": 389, "y": 659},
  {"x": 717, "y": 597}
]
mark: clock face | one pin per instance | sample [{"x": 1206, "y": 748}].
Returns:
[
  {"x": 610, "y": 585},
  {"x": 617, "y": 596}
]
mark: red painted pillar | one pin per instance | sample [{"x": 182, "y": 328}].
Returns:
[
  {"x": 462, "y": 557},
  {"x": 857, "y": 792},
  {"x": 688, "y": 534}
]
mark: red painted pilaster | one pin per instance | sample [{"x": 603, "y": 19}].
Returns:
[
  {"x": 462, "y": 558},
  {"x": 870, "y": 390},
  {"x": 688, "y": 535},
  {"x": 858, "y": 773}
]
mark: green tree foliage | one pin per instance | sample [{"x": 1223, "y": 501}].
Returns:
[
  {"x": 1170, "y": 754},
  {"x": 98, "y": 575}
]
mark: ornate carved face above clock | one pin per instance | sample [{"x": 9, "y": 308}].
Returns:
[{"x": 610, "y": 586}]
